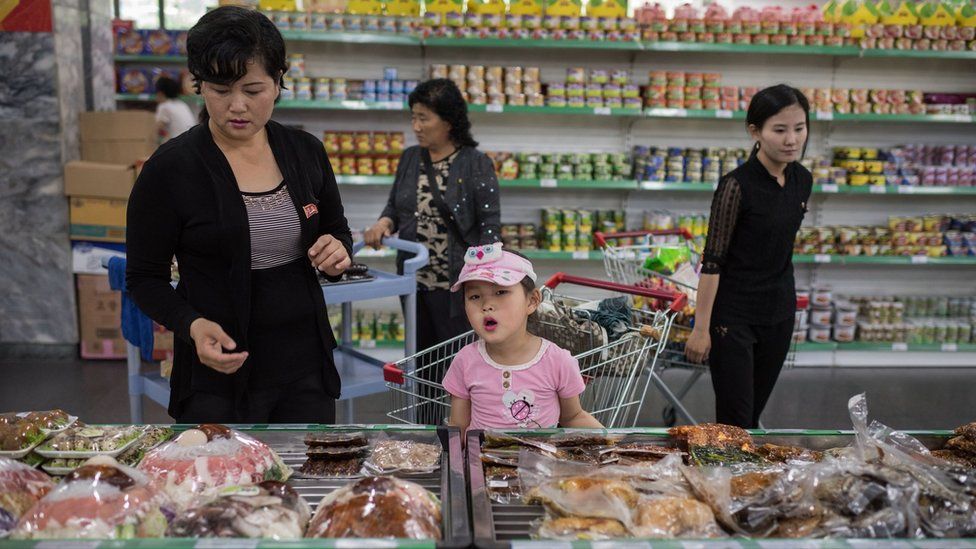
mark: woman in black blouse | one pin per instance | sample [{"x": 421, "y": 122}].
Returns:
[
  {"x": 746, "y": 296},
  {"x": 252, "y": 213}
]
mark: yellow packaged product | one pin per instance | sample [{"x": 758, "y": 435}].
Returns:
[
  {"x": 403, "y": 8},
  {"x": 486, "y": 7},
  {"x": 526, "y": 7},
  {"x": 445, "y": 6},
  {"x": 606, "y": 8}
]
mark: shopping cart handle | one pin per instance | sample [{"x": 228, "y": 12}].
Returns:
[
  {"x": 601, "y": 238},
  {"x": 677, "y": 299},
  {"x": 411, "y": 265}
]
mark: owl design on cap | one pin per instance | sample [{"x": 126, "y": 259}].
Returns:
[{"x": 481, "y": 255}]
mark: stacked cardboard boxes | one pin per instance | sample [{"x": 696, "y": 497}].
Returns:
[{"x": 98, "y": 187}]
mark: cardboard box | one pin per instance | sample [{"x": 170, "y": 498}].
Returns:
[
  {"x": 99, "y": 319},
  {"x": 86, "y": 257},
  {"x": 118, "y": 126},
  {"x": 117, "y": 152},
  {"x": 97, "y": 219},
  {"x": 98, "y": 180}
]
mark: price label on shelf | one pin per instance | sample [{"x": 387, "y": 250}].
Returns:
[
  {"x": 906, "y": 189},
  {"x": 144, "y": 97},
  {"x": 878, "y": 189},
  {"x": 829, "y": 188},
  {"x": 367, "y": 343},
  {"x": 680, "y": 113},
  {"x": 899, "y": 347},
  {"x": 920, "y": 259},
  {"x": 217, "y": 543},
  {"x": 949, "y": 347},
  {"x": 581, "y": 254},
  {"x": 495, "y": 108},
  {"x": 723, "y": 113},
  {"x": 825, "y": 115},
  {"x": 602, "y": 111},
  {"x": 821, "y": 258},
  {"x": 548, "y": 183}
]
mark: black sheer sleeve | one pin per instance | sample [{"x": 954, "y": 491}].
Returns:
[{"x": 721, "y": 225}]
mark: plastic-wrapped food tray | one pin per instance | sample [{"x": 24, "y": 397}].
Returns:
[
  {"x": 503, "y": 526},
  {"x": 20, "y": 454},
  {"x": 137, "y": 435}
]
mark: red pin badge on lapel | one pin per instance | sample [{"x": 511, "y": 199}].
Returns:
[{"x": 310, "y": 210}]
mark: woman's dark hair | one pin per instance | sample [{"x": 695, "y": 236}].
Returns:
[
  {"x": 224, "y": 41},
  {"x": 444, "y": 98},
  {"x": 168, "y": 87},
  {"x": 770, "y": 101}
]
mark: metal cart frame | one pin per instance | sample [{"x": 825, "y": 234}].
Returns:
[
  {"x": 361, "y": 374},
  {"x": 614, "y": 393}
]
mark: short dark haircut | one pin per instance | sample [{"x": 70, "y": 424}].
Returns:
[
  {"x": 770, "y": 101},
  {"x": 444, "y": 98},
  {"x": 168, "y": 87},
  {"x": 225, "y": 40}
]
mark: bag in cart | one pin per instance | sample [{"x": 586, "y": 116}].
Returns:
[{"x": 616, "y": 347}]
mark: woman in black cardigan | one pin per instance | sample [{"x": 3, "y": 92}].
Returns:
[{"x": 251, "y": 211}]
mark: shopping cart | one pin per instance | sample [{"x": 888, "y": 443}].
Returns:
[
  {"x": 616, "y": 367},
  {"x": 624, "y": 255}
]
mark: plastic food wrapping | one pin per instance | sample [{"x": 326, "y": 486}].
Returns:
[
  {"x": 378, "y": 507},
  {"x": 202, "y": 461},
  {"x": 21, "y": 486},
  {"x": 83, "y": 441},
  {"x": 404, "y": 456},
  {"x": 49, "y": 421},
  {"x": 154, "y": 437},
  {"x": 102, "y": 499},
  {"x": 270, "y": 510},
  {"x": 335, "y": 454}
]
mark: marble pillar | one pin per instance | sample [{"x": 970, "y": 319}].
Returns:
[
  {"x": 37, "y": 304},
  {"x": 101, "y": 52}
]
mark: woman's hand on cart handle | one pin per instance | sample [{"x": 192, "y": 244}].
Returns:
[
  {"x": 698, "y": 346},
  {"x": 329, "y": 256},
  {"x": 601, "y": 237},
  {"x": 374, "y": 235},
  {"x": 211, "y": 340}
]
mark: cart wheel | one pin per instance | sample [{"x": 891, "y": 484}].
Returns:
[{"x": 669, "y": 415}]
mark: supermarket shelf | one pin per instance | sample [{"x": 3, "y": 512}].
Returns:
[
  {"x": 690, "y": 186},
  {"x": 529, "y": 43},
  {"x": 150, "y": 58},
  {"x": 352, "y": 38},
  {"x": 888, "y": 347},
  {"x": 151, "y": 98},
  {"x": 627, "y": 184},
  {"x": 822, "y": 259},
  {"x": 292, "y": 104},
  {"x": 683, "y": 187},
  {"x": 519, "y": 109}
]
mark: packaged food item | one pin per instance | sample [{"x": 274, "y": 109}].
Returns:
[
  {"x": 821, "y": 315},
  {"x": 268, "y": 510},
  {"x": 153, "y": 437},
  {"x": 203, "y": 460},
  {"x": 21, "y": 486},
  {"x": 100, "y": 500},
  {"x": 822, "y": 297},
  {"x": 88, "y": 441},
  {"x": 129, "y": 42},
  {"x": 134, "y": 81},
  {"x": 846, "y": 314},
  {"x": 819, "y": 334},
  {"x": 158, "y": 42},
  {"x": 389, "y": 456},
  {"x": 363, "y": 509}
]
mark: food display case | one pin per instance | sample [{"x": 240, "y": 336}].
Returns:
[
  {"x": 424, "y": 460},
  {"x": 512, "y": 509}
]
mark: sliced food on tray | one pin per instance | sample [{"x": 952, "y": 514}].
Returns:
[
  {"x": 378, "y": 507},
  {"x": 82, "y": 441},
  {"x": 269, "y": 510},
  {"x": 99, "y": 500},
  {"x": 341, "y": 439},
  {"x": 154, "y": 437},
  {"x": 202, "y": 461},
  {"x": 21, "y": 486},
  {"x": 48, "y": 421},
  {"x": 19, "y": 438}
]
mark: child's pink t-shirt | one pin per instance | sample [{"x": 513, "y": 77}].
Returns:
[{"x": 523, "y": 396}]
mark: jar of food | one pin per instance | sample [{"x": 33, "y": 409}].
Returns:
[
  {"x": 845, "y": 314},
  {"x": 819, "y": 334},
  {"x": 822, "y": 296},
  {"x": 844, "y": 334},
  {"x": 821, "y": 316}
]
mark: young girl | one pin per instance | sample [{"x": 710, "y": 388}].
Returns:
[{"x": 509, "y": 378}]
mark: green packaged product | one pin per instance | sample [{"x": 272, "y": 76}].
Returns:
[
  {"x": 552, "y": 219},
  {"x": 585, "y": 220},
  {"x": 666, "y": 259}
]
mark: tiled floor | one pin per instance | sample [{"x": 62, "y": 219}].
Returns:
[{"x": 804, "y": 398}]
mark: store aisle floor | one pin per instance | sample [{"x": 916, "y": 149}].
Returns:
[{"x": 805, "y": 398}]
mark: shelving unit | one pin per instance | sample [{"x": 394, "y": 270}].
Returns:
[{"x": 547, "y": 129}]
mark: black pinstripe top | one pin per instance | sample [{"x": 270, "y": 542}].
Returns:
[
  {"x": 750, "y": 243},
  {"x": 276, "y": 231}
]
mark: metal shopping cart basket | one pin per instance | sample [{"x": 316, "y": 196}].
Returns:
[
  {"x": 624, "y": 255},
  {"x": 616, "y": 370}
]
